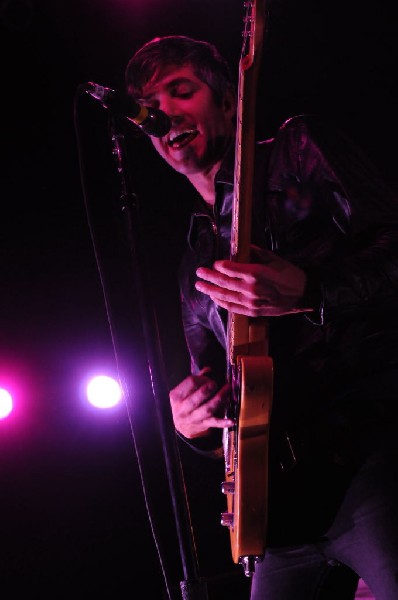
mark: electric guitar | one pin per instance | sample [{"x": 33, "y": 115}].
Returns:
[{"x": 249, "y": 368}]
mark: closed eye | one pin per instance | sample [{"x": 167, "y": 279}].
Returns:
[{"x": 183, "y": 95}]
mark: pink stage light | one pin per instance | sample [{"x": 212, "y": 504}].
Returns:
[{"x": 5, "y": 403}]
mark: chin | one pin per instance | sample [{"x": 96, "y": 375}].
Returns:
[{"x": 187, "y": 167}]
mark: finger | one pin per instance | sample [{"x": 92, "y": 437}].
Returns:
[
  {"x": 188, "y": 399},
  {"x": 208, "y": 414},
  {"x": 240, "y": 309},
  {"x": 204, "y": 371},
  {"x": 218, "y": 423},
  {"x": 233, "y": 276},
  {"x": 222, "y": 267},
  {"x": 189, "y": 385},
  {"x": 201, "y": 396},
  {"x": 236, "y": 270},
  {"x": 229, "y": 267},
  {"x": 214, "y": 280},
  {"x": 244, "y": 296}
]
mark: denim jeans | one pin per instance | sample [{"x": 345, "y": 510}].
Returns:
[{"x": 361, "y": 542}]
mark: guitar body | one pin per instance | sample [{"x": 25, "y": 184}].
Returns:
[
  {"x": 249, "y": 368},
  {"x": 247, "y": 462},
  {"x": 246, "y": 448}
]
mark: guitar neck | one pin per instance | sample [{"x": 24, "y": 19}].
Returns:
[{"x": 239, "y": 330}]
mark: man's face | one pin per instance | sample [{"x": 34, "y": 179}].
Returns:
[{"x": 200, "y": 130}]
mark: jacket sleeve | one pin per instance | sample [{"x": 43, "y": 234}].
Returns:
[
  {"x": 204, "y": 347},
  {"x": 355, "y": 263},
  {"x": 205, "y": 350}
]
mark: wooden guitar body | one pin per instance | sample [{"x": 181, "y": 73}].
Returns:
[{"x": 246, "y": 472}]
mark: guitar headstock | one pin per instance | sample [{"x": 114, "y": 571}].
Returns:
[{"x": 253, "y": 31}]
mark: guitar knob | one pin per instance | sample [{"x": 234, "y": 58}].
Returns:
[
  {"x": 227, "y": 519},
  {"x": 228, "y": 487}
]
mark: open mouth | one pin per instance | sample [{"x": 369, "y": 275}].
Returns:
[{"x": 179, "y": 140}]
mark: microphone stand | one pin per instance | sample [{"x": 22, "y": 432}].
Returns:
[{"x": 192, "y": 586}]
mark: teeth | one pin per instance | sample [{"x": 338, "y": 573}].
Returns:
[{"x": 175, "y": 135}]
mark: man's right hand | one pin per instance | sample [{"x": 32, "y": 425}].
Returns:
[{"x": 198, "y": 405}]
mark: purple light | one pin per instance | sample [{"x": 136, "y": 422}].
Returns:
[{"x": 103, "y": 392}]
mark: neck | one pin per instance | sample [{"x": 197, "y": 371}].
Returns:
[{"x": 203, "y": 182}]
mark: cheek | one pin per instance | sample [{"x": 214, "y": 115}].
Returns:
[{"x": 218, "y": 124}]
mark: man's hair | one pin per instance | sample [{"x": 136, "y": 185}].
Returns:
[{"x": 208, "y": 64}]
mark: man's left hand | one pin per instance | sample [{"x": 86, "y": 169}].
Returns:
[{"x": 273, "y": 287}]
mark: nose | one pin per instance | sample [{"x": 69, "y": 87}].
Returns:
[{"x": 169, "y": 105}]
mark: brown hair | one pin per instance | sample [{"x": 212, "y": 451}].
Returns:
[{"x": 208, "y": 64}]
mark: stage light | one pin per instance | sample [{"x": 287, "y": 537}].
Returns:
[
  {"x": 5, "y": 403},
  {"x": 103, "y": 392}
]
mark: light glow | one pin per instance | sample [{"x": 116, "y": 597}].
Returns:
[
  {"x": 5, "y": 403},
  {"x": 103, "y": 392}
]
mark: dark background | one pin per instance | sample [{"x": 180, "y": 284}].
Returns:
[{"x": 73, "y": 516}]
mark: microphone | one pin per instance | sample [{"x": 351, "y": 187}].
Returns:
[{"x": 152, "y": 121}]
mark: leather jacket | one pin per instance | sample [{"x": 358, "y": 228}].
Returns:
[{"x": 319, "y": 204}]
